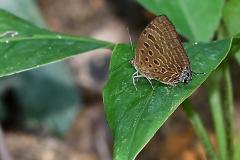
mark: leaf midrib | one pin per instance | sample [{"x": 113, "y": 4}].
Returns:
[{"x": 51, "y": 37}]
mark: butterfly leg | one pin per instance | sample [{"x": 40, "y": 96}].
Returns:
[
  {"x": 149, "y": 80},
  {"x": 135, "y": 75},
  {"x": 138, "y": 75}
]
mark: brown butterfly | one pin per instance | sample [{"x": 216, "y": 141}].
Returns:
[{"x": 160, "y": 54}]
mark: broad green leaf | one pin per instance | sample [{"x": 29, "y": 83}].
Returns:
[
  {"x": 231, "y": 17},
  {"x": 48, "y": 95},
  {"x": 33, "y": 46},
  {"x": 231, "y": 20},
  {"x": 195, "y": 19},
  {"x": 135, "y": 116}
]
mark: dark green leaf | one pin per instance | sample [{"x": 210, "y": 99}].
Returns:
[
  {"x": 33, "y": 46},
  {"x": 45, "y": 96},
  {"x": 135, "y": 116},
  {"x": 197, "y": 20},
  {"x": 48, "y": 97}
]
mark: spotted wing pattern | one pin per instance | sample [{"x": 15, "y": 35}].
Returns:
[{"x": 159, "y": 52}]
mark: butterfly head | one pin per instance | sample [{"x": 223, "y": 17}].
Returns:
[{"x": 186, "y": 75}]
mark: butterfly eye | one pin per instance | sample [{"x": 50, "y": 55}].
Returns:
[{"x": 185, "y": 80}]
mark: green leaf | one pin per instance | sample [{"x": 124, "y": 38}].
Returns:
[
  {"x": 236, "y": 48},
  {"x": 195, "y": 19},
  {"x": 32, "y": 46},
  {"x": 135, "y": 116},
  {"x": 231, "y": 18},
  {"x": 48, "y": 96}
]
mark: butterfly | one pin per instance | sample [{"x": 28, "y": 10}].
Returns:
[{"x": 160, "y": 55}]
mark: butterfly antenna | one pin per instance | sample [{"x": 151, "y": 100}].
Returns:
[{"x": 130, "y": 39}]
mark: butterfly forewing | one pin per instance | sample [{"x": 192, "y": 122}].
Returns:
[{"x": 159, "y": 52}]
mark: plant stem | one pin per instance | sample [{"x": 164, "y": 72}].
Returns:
[
  {"x": 237, "y": 148},
  {"x": 228, "y": 107},
  {"x": 213, "y": 86},
  {"x": 200, "y": 130}
]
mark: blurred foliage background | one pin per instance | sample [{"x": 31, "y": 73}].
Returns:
[
  {"x": 45, "y": 97},
  {"x": 56, "y": 111}
]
